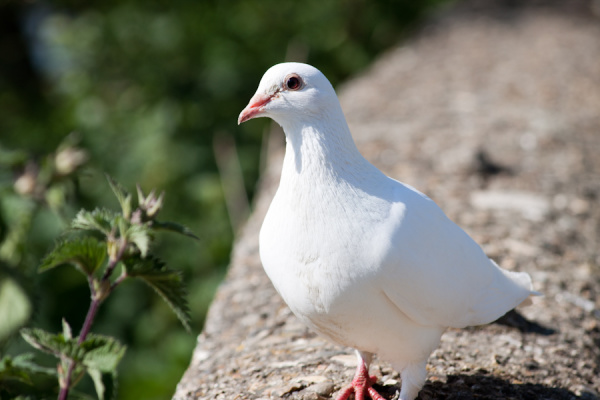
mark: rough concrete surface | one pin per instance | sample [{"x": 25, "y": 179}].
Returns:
[{"x": 493, "y": 110}]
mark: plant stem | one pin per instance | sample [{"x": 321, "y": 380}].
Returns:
[
  {"x": 87, "y": 325},
  {"x": 89, "y": 319},
  {"x": 113, "y": 263},
  {"x": 64, "y": 390},
  {"x": 91, "y": 314}
]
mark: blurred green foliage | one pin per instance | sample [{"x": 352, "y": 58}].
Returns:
[{"x": 148, "y": 86}]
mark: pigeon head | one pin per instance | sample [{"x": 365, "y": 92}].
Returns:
[{"x": 290, "y": 92}]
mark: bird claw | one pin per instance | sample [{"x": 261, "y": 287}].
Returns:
[{"x": 360, "y": 384}]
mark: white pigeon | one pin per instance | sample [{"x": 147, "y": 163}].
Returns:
[{"x": 364, "y": 260}]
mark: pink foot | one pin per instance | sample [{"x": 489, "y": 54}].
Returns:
[{"x": 360, "y": 385}]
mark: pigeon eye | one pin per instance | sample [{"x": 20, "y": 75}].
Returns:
[{"x": 293, "y": 82}]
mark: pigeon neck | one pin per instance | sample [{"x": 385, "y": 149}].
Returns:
[{"x": 322, "y": 148}]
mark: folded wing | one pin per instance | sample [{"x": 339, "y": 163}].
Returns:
[{"x": 436, "y": 273}]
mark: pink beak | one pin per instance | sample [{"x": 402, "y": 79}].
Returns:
[{"x": 254, "y": 108}]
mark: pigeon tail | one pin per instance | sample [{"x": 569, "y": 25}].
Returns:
[{"x": 507, "y": 290}]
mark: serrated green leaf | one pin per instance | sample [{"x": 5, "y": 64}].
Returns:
[
  {"x": 110, "y": 382},
  {"x": 26, "y": 362},
  {"x": 102, "y": 352},
  {"x": 174, "y": 227},
  {"x": 21, "y": 367},
  {"x": 122, "y": 194},
  {"x": 55, "y": 344},
  {"x": 100, "y": 219},
  {"x": 140, "y": 235},
  {"x": 166, "y": 282},
  {"x": 87, "y": 254},
  {"x": 96, "y": 376},
  {"x": 96, "y": 351},
  {"x": 8, "y": 370}
]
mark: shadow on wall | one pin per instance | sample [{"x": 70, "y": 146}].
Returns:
[
  {"x": 484, "y": 387},
  {"x": 516, "y": 320}
]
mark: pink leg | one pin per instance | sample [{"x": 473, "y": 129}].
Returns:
[{"x": 361, "y": 383}]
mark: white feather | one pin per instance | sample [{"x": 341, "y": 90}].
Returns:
[{"x": 363, "y": 259}]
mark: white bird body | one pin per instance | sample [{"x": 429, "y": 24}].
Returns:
[{"x": 363, "y": 259}]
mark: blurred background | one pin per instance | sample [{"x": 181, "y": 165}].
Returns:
[{"x": 149, "y": 92}]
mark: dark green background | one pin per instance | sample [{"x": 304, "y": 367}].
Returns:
[{"x": 147, "y": 86}]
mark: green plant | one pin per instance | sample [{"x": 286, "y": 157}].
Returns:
[{"x": 108, "y": 248}]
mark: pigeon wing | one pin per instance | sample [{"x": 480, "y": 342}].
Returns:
[{"x": 436, "y": 273}]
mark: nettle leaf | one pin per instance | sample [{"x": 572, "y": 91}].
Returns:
[
  {"x": 105, "y": 384},
  {"x": 87, "y": 254},
  {"x": 96, "y": 376},
  {"x": 97, "y": 354},
  {"x": 100, "y": 219},
  {"x": 102, "y": 353},
  {"x": 109, "y": 384},
  {"x": 141, "y": 236},
  {"x": 122, "y": 194},
  {"x": 21, "y": 368},
  {"x": 8, "y": 370},
  {"x": 55, "y": 344},
  {"x": 174, "y": 227},
  {"x": 166, "y": 282},
  {"x": 25, "y": 361},
  {"x": 96, "y": 351}
]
